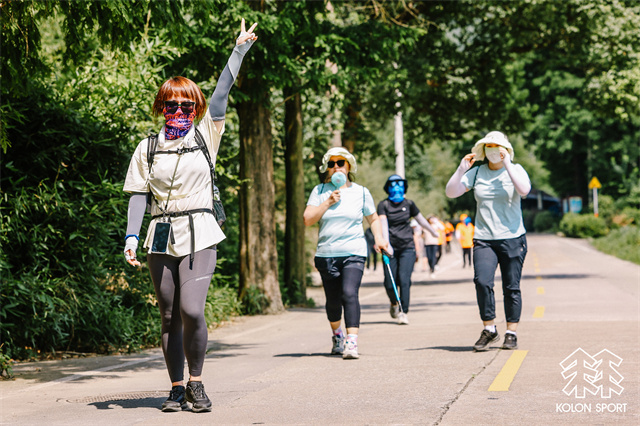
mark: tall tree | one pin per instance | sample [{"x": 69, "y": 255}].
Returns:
[{"x": 294, "y": 244}]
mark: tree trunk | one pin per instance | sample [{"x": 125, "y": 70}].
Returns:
[
  {"x": 258, "y": 251},
  {"x": 352, "y": 125},
  {"x": 294, "y": 237}
]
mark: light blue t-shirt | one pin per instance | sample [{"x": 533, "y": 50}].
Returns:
[
  {"x": 498, "y": 212},
  {"x": 341, "y": 233}
]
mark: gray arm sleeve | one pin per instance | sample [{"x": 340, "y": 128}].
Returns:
[
  {"x": 135, "y": 215},
  {"x": 218, "y": 102},
  {"x": 385, "y": 228},
  {"x": 426, "y": 225}
]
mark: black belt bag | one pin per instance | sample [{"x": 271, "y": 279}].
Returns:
[{"x": 191, "y": 228}]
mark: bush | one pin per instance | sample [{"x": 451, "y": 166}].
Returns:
[
  {"x": 528, "y": 218},
  {"x": 627, "y": 216},
  {"x": 545, "y": 221},
  {"x": 623, "y": 243},
  {"x": 222, "y": 303},
  {"x": 583, "y": 226}
]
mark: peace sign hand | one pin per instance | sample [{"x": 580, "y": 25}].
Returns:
[{"x": 246, "y": 35}]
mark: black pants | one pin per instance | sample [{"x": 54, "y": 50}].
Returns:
[
  {"x": 372, "y": 255},
  {"x": 432, "y": 256},
  {"x": 466, "y": 254},
  {"x": 401, "y": 265},
  {"x": 182, "y": 292},
  {"x": 341, "y": 278},
  {"x": 487, "y": 255}
]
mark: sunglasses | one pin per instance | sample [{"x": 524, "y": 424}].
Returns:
[
  {"x": 332, "y": 163},
  {"x": 185, "y": 107},
  {"x": 397, "y": 183}
]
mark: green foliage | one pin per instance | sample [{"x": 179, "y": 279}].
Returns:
[
  {"x": 254, "y": 301},
  {"x": 6, "y": 364},
  {"x": 222, "y": 303},
  {"x": 545, "y": 221},
  {"x": 583, "y": 226},
  {"x": 618, "y": 213},
  {"x": 623, "y": 243}
]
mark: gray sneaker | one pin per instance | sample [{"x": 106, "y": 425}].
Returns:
[
  {"x": 510, "y": 341},
  {"x": 403, "y": 319},
  {"x": 485, "y": 338},
  {"x": 195, "y": 394},
  {"x": 338, "y": 345},
  {"x": 394, "y": 310},
  {"x": 176, "y": 400},
  {"x": 350, "y": 350}
]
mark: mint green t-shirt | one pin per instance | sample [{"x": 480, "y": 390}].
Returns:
[
  {"x": 341, "y": 233},
  {"x": 498, "y": 212}
]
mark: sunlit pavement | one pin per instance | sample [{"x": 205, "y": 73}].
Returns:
[{"x": 578, "y": 305}]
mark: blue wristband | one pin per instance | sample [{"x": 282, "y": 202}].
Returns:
[{"x": 131, "y": 235}]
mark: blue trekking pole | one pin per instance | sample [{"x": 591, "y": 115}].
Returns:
[{"x": 385, "y": 260}]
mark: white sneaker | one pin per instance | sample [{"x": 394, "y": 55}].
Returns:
[
  {"x": 338, "y": 345},
  {"x": 350, "y": 350},
  {"x": 394, "y": 310},
  {"x": 403, "y": 319}
]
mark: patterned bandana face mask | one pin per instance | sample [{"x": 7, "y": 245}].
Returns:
[{"x": 177, "y": 125}]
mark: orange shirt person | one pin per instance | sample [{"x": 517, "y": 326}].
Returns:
[
  {"x": 464, "y": 233},
  {"x": 449, "y": 230}
]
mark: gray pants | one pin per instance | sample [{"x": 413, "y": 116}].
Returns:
[
  {"x": 487, "y": 255},
  {"x": 182, "y": 292}
]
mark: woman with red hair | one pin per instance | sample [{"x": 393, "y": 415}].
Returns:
[{"x": 174, "y": 171}]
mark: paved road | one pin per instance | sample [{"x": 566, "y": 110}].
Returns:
[{"x": 275, "y": 369}]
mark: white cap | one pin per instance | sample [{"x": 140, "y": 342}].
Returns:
[
  {"x": 498, "y": 138},
  {"x": 338, "y": 151}
]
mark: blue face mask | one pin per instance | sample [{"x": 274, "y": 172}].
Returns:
[
  {"x": 396, "y": 192},
  {"x": 338, "y": 179}
]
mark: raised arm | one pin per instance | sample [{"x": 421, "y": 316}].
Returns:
[
  {"x": 218, "y": 102},
  {"x": 426, "y": 225},
  {"x": 520, "y": 180},
  {"x": 455, "y": 188}
]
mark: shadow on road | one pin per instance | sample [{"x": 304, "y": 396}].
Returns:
[
  {"x": 557, "y": 276},
  {"x": 445, "y": 348},
  {"x": 301, "y": 355},
  {"x": 129, "y": 403}
]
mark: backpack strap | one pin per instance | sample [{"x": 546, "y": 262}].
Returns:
[
  {"x": 152, "y": 146},
  {"x": 475, "y": 178},
  {"x": 200, "y": 141}
]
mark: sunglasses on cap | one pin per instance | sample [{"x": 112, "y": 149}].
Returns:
[
  {"x": 332, "y": 163},
  {"x": 186, "y": 107}
]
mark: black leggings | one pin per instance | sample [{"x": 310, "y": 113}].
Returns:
[
  {"x": 341, "y": 277},
  {"x": 466, "y": 254},
  {"x": 183, "y": 290}
]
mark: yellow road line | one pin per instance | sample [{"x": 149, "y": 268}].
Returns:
[
  {"x": 504, "y": 378},
  {"x": 540, "y": 290},
  {"x": 539, "y": 312}
]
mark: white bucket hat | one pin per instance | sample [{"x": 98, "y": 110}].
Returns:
[
  {"x": 498, "y": 138},
  {"x": 342, "y": 152}
]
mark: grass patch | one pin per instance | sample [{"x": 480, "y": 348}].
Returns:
[{"x": 623, "y": 243}]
